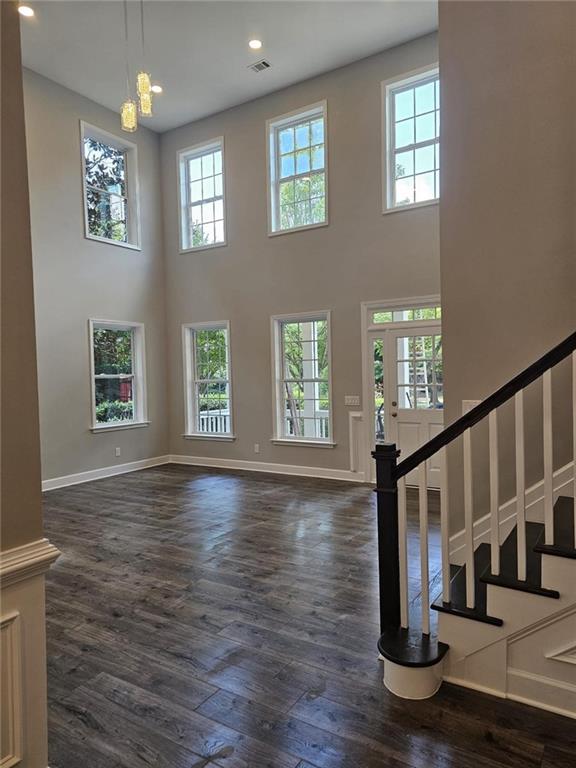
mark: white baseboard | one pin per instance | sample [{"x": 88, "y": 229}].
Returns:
[
  {"x": 542, "y": 692},
  {"x": 203, "y": 461},
  {"x": 97, "y": 474},
  {"x": 270, "y": 467},
  {"x": 563, "y": 477}
]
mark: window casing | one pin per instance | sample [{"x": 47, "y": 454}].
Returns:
[
  {"x": 302, "y": 387},
  {"x": 202, "y": 196},
  {"x": 412, "y": 120},
  {"x": 118, "y": 367},
  {"x": 110, "y": 184},
  {"x": 297, "y": 170},
  {"x": 207, "y": 380}
]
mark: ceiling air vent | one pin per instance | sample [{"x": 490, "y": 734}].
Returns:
[{"x": 260, "y": 66}]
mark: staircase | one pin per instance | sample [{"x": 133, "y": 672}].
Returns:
[{"x": 505, "y": 621}]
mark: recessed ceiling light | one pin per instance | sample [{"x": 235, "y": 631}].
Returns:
[
  {"x": 255, "y": 44},
  {"x": 157, "y": 88},
  {"x": 25, "y": 10}
]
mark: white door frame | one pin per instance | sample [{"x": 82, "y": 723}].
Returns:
[{"x": 367, "y": 326}]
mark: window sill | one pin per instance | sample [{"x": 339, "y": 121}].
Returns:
[
  {"x": 204, "y": 436},
  {"x": 304, "y": 442},
  {"x": 209, "y": 247},
  {"x": 112, "y": 427},
  {"x": 119, "y": 243},
  {"x": 272, "y": 233},
  {"x": 411, "y": 207}
]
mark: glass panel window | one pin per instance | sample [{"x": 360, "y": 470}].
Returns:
[
  {"x": 303, "y": 382},
  {"x": 298, "y": 170},
  {"x": 118, "y": 391},
  {"x": 407, "y": 315},
  {"x": 107, "y": 187},
  {"x": 413, "y": 144},
  {"x": 420, "y": 372},
  {"x": 202, "y": 196},
  {"x": 207, "y": 358}
]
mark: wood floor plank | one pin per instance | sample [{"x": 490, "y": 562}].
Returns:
[{"x": 203, "y": 617}]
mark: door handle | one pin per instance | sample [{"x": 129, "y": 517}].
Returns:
[{"x": 394, "y": 414}]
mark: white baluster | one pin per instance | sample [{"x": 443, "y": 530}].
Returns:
[
  {"x": 403, "y": 552},
  {"x": 424, "y": 573},
  {"x": 548, "y": 457},
  {"x": 520, "y": 485},
  {"x": 444, "y": 526},
  {"x": 494, "y": 493},
  {"x": 574, "y": 433},
  {"x": 469, "y": 521}
]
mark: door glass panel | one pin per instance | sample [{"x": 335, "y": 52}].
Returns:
[
  {"x": 419, "y": 372},
  {"x": 378, "y": 357}
]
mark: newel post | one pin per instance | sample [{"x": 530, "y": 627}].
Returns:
[{"x": 386, "y": 489}]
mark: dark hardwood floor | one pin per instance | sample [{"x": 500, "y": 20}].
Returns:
[{"x": 206, "y": 618}]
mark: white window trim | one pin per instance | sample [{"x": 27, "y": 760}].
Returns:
[
  {"x": 189, "y": 371},
  {"x": 132, "y": 185},
  {"x": 319, "y": 108},
  {"x": 277, "y": 416},
  {"x": 181, "y": 158},
  {"x": 139, "y": 370},
  {"x": 387, "y": 147}
]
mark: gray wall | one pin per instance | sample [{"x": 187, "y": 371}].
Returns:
[
  {"x": 76, "y": 278},
  {"x": 507, "y": 209},
  {"x": 21, "y": 517},
  {"x": 362, "y": 255}
]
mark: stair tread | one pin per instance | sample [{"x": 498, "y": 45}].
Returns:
[
  {"x": 563, "y": 530},
  {"x": 410, "y": 648},
  {"x": 457, "y": 604}
]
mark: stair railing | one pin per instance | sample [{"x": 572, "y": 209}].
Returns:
[{"x": 391, "y": 493}]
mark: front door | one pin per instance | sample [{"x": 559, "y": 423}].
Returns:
[{"x": 408, "y": 396}]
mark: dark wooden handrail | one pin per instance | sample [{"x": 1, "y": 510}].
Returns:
[{"x": 520, "y": 381}]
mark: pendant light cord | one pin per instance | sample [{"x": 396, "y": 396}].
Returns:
[
  {"x": 126, "y": 46},
  {"x": 142, "y": 33}
]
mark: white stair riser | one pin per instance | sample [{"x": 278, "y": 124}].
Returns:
[{"x": 559, "y": 573}]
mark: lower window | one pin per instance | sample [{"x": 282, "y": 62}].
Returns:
[
  {"x": 118, "y": 387},
  {"x": 207, "y": 379},
  {"x": 302, "y": 352}
]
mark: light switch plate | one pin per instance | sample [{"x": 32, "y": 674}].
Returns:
[{"x": 351, "y": 399}]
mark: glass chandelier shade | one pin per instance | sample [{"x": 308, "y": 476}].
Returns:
[
  {"x": 143, "y": 84},
  {"x": 145, "y": 104},
  {"x": 129, "y": 116}
]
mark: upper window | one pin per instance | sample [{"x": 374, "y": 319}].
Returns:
[
  {"x": 297, "y": 172},
  {"x": 202, "y": 220},
  {"x": 302, "y": 349},
  {"x": 207, "y": 380},
  {"x": 110, "y": 187},
  {"x": 412, "y": 314},
  {"x": 118, "y": 387},
  {"x": 413, "y": 146}
]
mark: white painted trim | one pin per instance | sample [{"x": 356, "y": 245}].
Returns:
[
  {"x": 306, "y": 442},
  {"x": 534, "y": 687},
  {"x": 26, "y": 561},
  {"x": 210, "y": 436},
  {"x": 182, "y": 156},
  {"x": 116, "y": 427},
  {"x": 10, "y": 625},
  {"x": 189, "y": 371},
  {"x": 270, "y": 467},
  {"x": 139, "y": 396},
  {"x": 463, "y": 683},
  {"x": 318, "y": 108},
  {"x": 102, "y": 472},
  {"x": 277, "y": 367},
  {"x": 386, "y": 125},
  {"x": 132, "y": 184},
  {"x": 356, "y": 441},
  {"x": 534, "y": 502}
]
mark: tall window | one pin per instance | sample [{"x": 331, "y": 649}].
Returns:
[
  {"x": 118, "y": 387},
  {"x": 302, "y": 349},
  {"x": 202, "y": 221},
  {"x": 207, "y": 380},
  {"x": 297, "y": 159},
  {"x": 413, "y": 145},
  {"x": 110, "y": 187}
]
